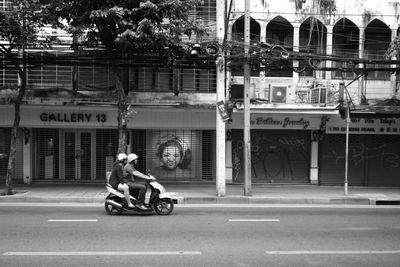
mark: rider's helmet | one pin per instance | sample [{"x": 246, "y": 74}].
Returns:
[
  {"x": 132, "y": 157},
  {"x": 121, "y": 156}
]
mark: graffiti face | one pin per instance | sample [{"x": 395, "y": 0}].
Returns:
[{"x": 171, "y": 157}]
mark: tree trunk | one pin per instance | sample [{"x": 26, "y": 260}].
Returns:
[
  {"x": 14, "y": 134},
  {"x": 123, "y": 107}
]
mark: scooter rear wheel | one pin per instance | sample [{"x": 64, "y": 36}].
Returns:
[
  {"x": 111, "y": 210},
  {"x": 163, "y": 206}
]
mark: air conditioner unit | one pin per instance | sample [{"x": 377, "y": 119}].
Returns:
[
  {"x": 318, "y": 95},
  {"x": 278, "y": 94}
]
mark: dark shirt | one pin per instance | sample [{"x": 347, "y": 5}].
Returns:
[{"x": 117, "y": 176}]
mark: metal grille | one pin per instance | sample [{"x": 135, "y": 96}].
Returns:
[
  {"x": 139, "y": 148},
  {"x": 69, "y": 155},
  {"x": 86, "y": 156},
  {"x": 4, "y": 150},
  {"x": 208, "y": 155},
  {"x": 94, "y": 76},
  {"x": 106, "y": 149},
  {"x": 6, "y": 5},
  {"x": 198, "y": 80},
  {"x": 46, "y": 153},
  {"x": 47, "y": 75},
  {"x": 8, "y": 74},
  {"x": 177, "y": 155}
]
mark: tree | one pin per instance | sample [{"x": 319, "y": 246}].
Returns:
[
  {"x": 126, "y": 26},
  {"x": 19, "y": 26}
]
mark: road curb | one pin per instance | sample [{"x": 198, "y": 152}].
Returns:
[{"x": 206, "y": 200}]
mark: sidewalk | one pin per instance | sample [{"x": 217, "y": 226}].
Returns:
[{"x": 200, "y": 193}]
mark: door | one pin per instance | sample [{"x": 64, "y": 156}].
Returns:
[{"x": 78, "y": 155}]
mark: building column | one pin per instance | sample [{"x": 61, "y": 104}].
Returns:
[
  {"x": 262, "y": 91},
  {"x": 393, "y": 82},
  {"x": 329, "y": 51},
  {"x": 296, "y": 48},
  {"x": 314, "y": 158}
]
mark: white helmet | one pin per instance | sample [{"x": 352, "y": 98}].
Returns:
[
  {"x": 121, "y": 156},
  {"x": 132, "y": 157}
]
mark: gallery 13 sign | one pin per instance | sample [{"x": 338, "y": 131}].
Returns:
[{"x": 73, "y": 117}]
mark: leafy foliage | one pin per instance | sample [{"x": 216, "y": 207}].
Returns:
[
  {"x": 127, "y": 24},
  {"x": 19, "y": 26}
]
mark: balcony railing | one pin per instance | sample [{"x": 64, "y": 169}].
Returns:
[{"x": 95, "y": 73}]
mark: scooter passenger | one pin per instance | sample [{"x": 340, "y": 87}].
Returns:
[
  {"x": 117, "y": 179},
  {"x": 130, "y": 174}
]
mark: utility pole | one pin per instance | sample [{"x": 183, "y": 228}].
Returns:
[
  {"x": 246, "y": 102},
  {"x": 220, "y": 124}
]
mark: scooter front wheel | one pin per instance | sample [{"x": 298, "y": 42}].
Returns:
[
  {"x": 163, "y": 206},
  {"x": 111, "y": 210}
]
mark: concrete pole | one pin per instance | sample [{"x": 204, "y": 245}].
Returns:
[
  {"x": 296, "y": 46},
  {"x": 361, "y": 81},
  {"x": 220, "y": 124},
  {"x": 246, "y": 70}
]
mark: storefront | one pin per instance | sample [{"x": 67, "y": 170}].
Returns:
[
  {"x": 79, "y": 143},
  {"x": 283, "y": 146},
  {"x": 374, "y": 152},
  {"x": 4, "y": 150}
]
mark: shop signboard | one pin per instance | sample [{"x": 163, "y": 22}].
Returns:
[{"x": 389, "y": 126}]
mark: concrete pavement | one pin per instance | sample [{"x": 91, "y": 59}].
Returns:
[{"x": 205, "y": 193}]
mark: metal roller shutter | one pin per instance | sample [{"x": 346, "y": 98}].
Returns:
[
  {"x": 373, "y": 160},
  {"x": 106, "y": 149},
  {"x": 382, "y": 158},
  {"x": 5, "y": 134},
  {"x": 46, "y": 153},
  {"x": 332, "y": 164},
  {"x": 277, "y": 156},
  {"x": 179, "y": 155}
]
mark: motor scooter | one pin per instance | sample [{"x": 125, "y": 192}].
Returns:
[{"x": 157, "y": 198}]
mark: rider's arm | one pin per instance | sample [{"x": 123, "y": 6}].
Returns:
[{"x": 141, "y": 175}]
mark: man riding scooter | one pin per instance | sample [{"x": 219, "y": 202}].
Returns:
[
  {"x": 131, "y": 175},
  {"x": 117, "y": 180}
]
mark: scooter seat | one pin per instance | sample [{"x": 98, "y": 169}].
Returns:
[{"x": 117, "y": 192}]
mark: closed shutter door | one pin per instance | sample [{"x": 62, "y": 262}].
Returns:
[
  {"x": 177, "y": 155},
  {"x": 277, "y": 156},
  {"x": 106, "y": 150},
  {"x": 332, "y": 164},
  {"x": 19, "y": 161},
  {"x": 46, "y": 153},
  {"x": 139, "y": 148},
  {"x": 382, "y": 156},
  {"x": 5, "y": 134}
]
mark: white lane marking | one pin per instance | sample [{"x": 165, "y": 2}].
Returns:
[
  {"x": 332, "y": 252},
  {"x": 103, "y": 253},
  {"x": 254, "y": 220},
  {"x": 72, "y": 220}
]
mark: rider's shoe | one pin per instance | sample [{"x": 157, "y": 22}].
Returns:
[
  {"x": 131, "y": 206},
  {"x": 142, "y": 207}
]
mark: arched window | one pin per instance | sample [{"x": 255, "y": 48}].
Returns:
[
  {"x": 312, "y": 40},
  {"x": 280, "y": 32},
  {"x": 346, "y": 37},
  {"x": 238, "y": 43},
  {"x": 377, "y": 41}
]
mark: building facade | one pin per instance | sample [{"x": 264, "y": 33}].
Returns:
[{"x": 68, "y": 125}]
